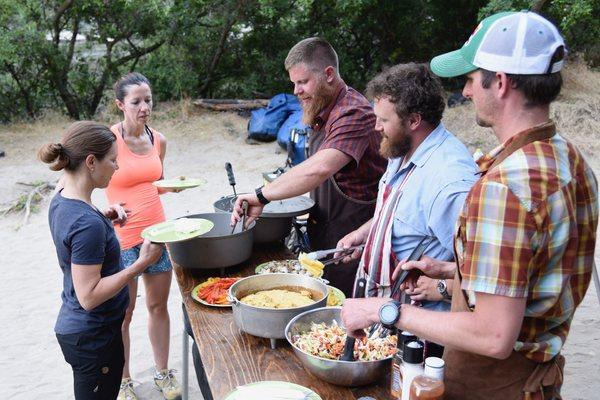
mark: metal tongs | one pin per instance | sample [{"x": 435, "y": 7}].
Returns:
[
  {"x": 378, "y": 329},
  {"x": 231, "y": 178},
  {"x": 244, "y": 214},
  {"x": 319, "y": 254}
]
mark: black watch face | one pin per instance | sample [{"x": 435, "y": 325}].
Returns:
[{"x": 388, "y": 314}]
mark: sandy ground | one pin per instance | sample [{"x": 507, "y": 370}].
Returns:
[{"x": 199, "y": 145}]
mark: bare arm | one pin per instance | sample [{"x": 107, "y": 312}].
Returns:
[
  {"x": 163, "y": 152},
  {"x": 295, "y": 182},
  {"x": 92, "y": 289},
  {"x": 490, "y": 330},
  {"x": 307, "y": 175}
]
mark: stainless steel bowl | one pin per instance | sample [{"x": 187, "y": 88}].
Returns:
[
  {"x": 271, "y": 322},
  {"x": 342, "y": 373}
]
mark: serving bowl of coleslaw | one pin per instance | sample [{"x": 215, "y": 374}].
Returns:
[{"x": 317, "y": 338}]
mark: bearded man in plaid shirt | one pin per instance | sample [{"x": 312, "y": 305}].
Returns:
[{"x": 525, "y": 239}]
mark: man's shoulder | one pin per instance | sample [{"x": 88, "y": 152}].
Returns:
[
  {"x": 452, "y": 160},
  {"x": 538, "y": 170},
  {"x": 351, "y": 106}
]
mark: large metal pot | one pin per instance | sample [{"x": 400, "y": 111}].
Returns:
[
  {"x": 218, "y": 248},
  {"x": 270, "y": 322},
  {"x": 342, "y": 373},
  {"x": 275, "y": 222}
]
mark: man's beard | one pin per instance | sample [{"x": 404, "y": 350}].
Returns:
[
  {"x": 323, "y": 96},
  {"x": 398, "y": 148}
]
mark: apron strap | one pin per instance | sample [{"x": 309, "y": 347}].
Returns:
[{"x": 541, "y": 132}]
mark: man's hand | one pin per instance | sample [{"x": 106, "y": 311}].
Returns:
[
  {"x": 424, "y": 289},
  {"x": 255, "y": 208},
  {"x": 358, "y": 314},
  {"x": 117, "y": 214},
  {"x": 351, "y": 239},
  {"x": 430, "y": 267}
]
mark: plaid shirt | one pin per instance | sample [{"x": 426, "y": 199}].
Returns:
[
  {"x": 349, "y": 126},
  {"x": 528, "y": 229}
]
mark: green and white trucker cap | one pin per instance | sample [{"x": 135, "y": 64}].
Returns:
[{"x": 520, "y": 43}]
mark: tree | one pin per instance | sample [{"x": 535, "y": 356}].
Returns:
[{"x": 80, "y": 45}]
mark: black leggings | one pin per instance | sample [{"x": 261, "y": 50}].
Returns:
[{"x": 97, "y": 360}]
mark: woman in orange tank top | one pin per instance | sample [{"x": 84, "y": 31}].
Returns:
[{"x": 141, "y": 151}]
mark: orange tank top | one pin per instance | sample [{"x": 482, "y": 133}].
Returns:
[{"x": 132, "y": 184}]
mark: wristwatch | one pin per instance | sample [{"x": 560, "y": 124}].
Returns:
[
  {"x": 261, "y": 197},
  {"x": 442, "y": 287},
  {"x": 389, "y": 314}
]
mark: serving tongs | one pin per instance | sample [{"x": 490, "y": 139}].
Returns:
[
  {"x": 378, "y": 330},
  {"x": 319, "y": 254},
  {"x": 244, "y": 214},
  {"x": 348, "y": 353},
  {"x": 231, "y": 178}
]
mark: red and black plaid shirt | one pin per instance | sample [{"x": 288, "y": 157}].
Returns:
[{"x": 349, "y": 126}]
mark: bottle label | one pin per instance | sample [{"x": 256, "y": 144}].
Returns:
[{"x": 396, "y": 381}]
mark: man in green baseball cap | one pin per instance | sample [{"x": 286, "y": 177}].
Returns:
[{"x": 525, "y": 239}]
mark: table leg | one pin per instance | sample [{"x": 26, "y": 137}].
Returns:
[
  {"x": 186, "y": 369},
  {"x": 198, "y": 365}
]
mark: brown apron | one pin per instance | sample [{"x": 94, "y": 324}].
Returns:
[
  {"x": 471, "y": 376},
  {"x": 333, "y": 217}
]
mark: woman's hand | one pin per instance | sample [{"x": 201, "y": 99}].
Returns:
[
  {"x": 117, "y": 213},
  {"x": 170, "y": 190},
  {"x": 424, "y": 288},
  {"x": 150, "y": 253}
]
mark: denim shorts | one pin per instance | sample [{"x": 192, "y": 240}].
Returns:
[{"x": 163, "y": 264}]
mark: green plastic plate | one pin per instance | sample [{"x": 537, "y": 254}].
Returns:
[
  {"x": 272, "y": 390},
  {"x": 177, "y": 183},
  {"x": 337, "y": 293},
  {"x": 166, "y": 232}
]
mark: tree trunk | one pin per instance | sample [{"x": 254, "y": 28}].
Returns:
[
  {"x": 231, "y": 20},
  {"x": 537, "y": 6},
  {"x": 23, "y": 90}
]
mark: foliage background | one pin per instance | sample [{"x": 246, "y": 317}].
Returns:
[{"x": 66, "y": 54}]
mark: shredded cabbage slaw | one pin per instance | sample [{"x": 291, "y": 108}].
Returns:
[{"x": 328, "y": 342}]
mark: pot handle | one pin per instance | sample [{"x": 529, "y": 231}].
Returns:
[{"x": 232, "y": 299}]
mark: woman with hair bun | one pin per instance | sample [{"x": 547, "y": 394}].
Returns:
[
  {"x": 142, "y": 151},
  {"x": 94, "y": 296}
]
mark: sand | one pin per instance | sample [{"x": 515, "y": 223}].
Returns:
[{"x": 199, "y": 145}]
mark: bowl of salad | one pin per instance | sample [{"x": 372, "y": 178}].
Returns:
[{"x": 317, "y": 338}]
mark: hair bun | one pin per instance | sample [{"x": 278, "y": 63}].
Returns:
[{"x": 58, "y": 147}]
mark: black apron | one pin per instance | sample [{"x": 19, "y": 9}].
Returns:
[{"x": 333, "y": 217}]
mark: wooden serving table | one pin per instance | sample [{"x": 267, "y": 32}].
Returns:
[{"x": 233, "y": 358}]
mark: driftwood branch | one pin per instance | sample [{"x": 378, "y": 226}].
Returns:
[
  {"x": 26, "y": 203},
  {"x": 230, "y": 104}
]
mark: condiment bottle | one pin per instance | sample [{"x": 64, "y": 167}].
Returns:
[
  {"x": 430, "y": 385},
  {"x": 396, "y": 379},
  {"x": 412, "y": 365},
  {"x": 405, "y": 336},
  {"x": 433, "y": 349}
]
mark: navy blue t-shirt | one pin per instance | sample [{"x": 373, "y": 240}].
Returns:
[{"x": 83, "y": 236}]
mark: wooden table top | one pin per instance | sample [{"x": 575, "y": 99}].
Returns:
[{"x": 232, "y": 358}]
